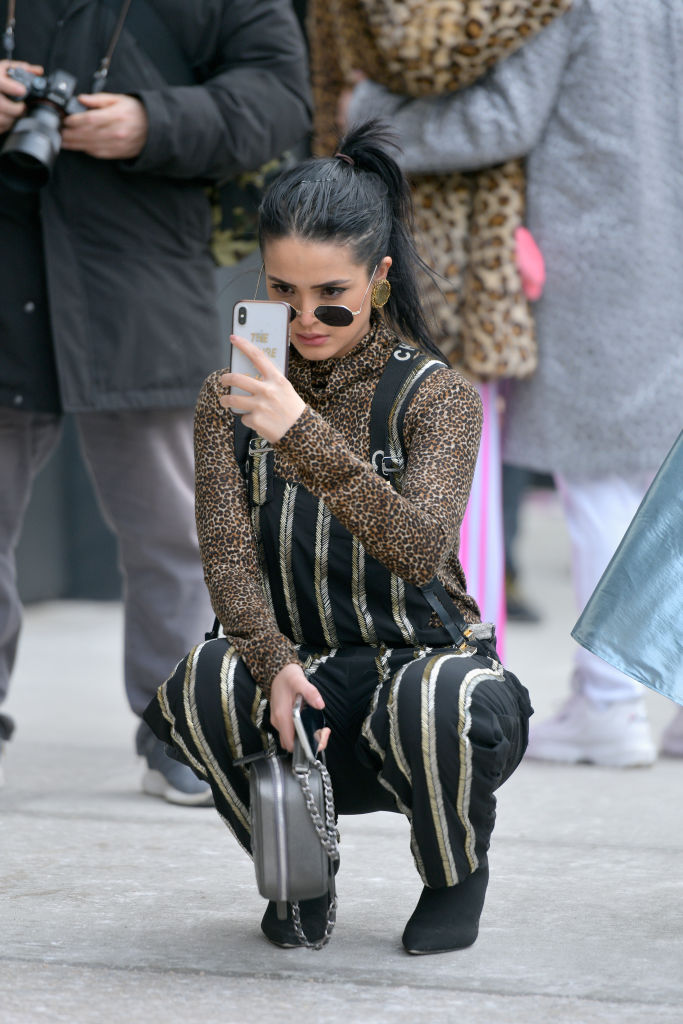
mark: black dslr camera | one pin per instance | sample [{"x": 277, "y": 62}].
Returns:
[{"x": 32, "y": 146}]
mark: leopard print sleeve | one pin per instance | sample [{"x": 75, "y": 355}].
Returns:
[
  {"x": 227, "y": 546},
  {"x": 414, "y": 532}
]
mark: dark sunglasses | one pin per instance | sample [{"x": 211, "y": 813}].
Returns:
[{"x": 331, "y": 316}]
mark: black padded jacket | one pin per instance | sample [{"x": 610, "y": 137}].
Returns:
[{"x": 107, "y": 290}]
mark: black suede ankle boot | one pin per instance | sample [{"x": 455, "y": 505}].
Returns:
[
  {"x": 447, "y": 919},
  {"x": 313, "y": 921}
]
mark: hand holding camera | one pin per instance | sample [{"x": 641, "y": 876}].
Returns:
[
  {"x": 106, "y": 125},
  {"x": 12, "y": 92},
  {"x": 111, "y": 126},
  {"x": 32, "y": 146}
]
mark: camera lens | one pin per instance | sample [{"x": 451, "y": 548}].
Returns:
[
  {"x": 31, "y": 147},
  {"x": 242, "y": 315},
  {"x": 30, "y": 151}
]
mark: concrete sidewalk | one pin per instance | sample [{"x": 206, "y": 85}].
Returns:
[{"x": 117, "y": 907}]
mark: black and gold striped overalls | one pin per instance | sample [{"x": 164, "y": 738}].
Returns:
[{"x": 425, "y": 720}]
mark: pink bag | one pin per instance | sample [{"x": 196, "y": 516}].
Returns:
[{"x": 530, "y": 264}]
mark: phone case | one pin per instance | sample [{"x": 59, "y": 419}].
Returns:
[{"x": 265, "y": 324}]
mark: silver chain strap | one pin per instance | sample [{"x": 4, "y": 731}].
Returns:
[
  {"x": 300, "y": 933},
  {"x": 329, "y": 840},
  {"x": 327, "y": 830}
]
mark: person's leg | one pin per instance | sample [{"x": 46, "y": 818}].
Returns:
[
  {"x": 26, "y": 441},
  {"x": 515, "y": 481},
  {"x": 598, "y": 513},
  {"x": 446, "y": 732},
  {"x": 672, "y": 738},
  {"x": 605, "y": 720},
  {"x": 142, "y": 466},
  {"x": 481, "y": 534},
  {"x": 210, "y": 712}
]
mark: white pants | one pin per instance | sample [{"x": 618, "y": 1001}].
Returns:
[{"x": 598, "y": 513}]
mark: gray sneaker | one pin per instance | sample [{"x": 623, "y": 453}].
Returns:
[
  {"x": 167, "y": 778},
  {"x": 6, "y": 730}
]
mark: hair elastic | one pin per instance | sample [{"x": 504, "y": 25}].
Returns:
[{"x": 347, "y": 159}]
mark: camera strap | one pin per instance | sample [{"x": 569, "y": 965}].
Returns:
[
  {"x": 8, "y": 36},
  {"x": 153, "y": 35},
  {"x": 100, "y": 76},
  {"x": 150, "y": 31}
]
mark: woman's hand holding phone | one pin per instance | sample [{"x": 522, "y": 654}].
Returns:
[{"x": 271, "y": 405}]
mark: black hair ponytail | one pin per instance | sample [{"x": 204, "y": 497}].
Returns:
[{"x": 359, "y": 197}]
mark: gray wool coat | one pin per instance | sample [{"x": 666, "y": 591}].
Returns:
[{"x": 595, "y": 105}]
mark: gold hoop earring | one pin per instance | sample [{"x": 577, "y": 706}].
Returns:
[{"x": 381, "y": 290}]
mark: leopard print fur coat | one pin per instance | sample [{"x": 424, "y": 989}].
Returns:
[{"x": 465, "y": 223}]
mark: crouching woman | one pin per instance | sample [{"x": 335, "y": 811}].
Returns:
[{"x": 329, "y": 503}]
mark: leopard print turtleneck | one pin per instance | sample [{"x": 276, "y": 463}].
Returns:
[{"x": 415, "y": 534}]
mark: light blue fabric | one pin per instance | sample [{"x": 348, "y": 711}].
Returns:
[{"x": 634, "y": 618}]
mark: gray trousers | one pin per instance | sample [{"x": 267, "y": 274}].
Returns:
[{"x": 142, "y": 466}]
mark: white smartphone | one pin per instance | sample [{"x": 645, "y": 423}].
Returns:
[{"x": 264, "y": 323}]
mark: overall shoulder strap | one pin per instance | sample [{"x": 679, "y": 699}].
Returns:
[
  {"x": 254, "y": 457},
  {"x": 242, "y": 437},
  {"x": 405, "y": 370}
]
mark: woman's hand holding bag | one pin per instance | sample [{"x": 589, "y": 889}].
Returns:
[{"x": 286, "y": 686}]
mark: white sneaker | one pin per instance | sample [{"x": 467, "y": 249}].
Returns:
[
  {"x": 615, "y": 735},
  {"x": 672, "y": 737}
]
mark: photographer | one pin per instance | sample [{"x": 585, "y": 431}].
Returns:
[{"x": 108, "y": 305}]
